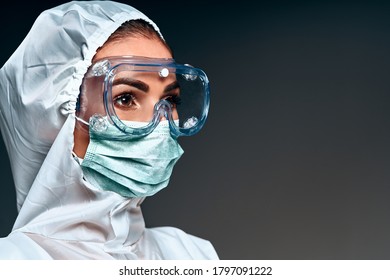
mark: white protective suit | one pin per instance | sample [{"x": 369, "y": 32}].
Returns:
[{"x": 61, "y": 216}]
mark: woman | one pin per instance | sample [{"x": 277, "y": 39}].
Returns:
[{"x": 92, "y": 104}]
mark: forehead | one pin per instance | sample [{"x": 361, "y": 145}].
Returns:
[{"x": 134, "y": 46}]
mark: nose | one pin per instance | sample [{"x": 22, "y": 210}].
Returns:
[
  {"x": 163, "y": 107},
  {"x": 153, "y": 107},
  {"x": 158, "y": 109}
]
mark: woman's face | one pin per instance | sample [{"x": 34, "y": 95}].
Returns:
[{"x": 129, "y": 46}]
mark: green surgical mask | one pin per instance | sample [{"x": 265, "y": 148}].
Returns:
[{"x": 132, "y": 168}]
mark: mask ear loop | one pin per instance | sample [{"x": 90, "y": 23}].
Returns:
[
  {"x": 81, "y": 120},
  {"x": 78, "y": 107}
]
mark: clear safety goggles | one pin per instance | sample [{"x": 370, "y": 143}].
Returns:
[{"x": 135, "y": 93}]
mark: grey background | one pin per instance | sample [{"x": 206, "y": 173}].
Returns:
[{"x": 294, "y": 160}]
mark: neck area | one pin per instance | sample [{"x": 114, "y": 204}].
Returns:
[
  {"x": 63, "y": 207},
  {"x": 112, "y": 225}
]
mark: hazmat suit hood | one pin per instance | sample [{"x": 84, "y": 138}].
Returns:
[{"x": 61, "y": 216}]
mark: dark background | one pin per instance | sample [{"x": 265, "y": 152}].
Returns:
[{"x": 294, "y": 160}]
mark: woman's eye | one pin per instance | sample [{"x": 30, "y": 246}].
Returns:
[
  {"x": 174, "y": 100},
  {"x": 124, "y": 100}
]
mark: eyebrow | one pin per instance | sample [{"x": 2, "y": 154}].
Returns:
[
  {"x": 143, "y": 86},
  {"x": 171, "y": 86},
  {"x": 131, "y": 82}
]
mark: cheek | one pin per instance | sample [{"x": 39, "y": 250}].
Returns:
[
  {"x": 81, "y": 139},
  {"x": 91, "y": 99}
]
